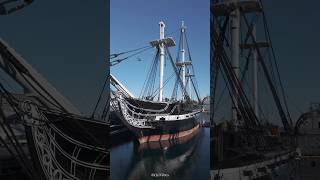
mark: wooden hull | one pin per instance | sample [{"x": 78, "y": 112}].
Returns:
[{"x": 64, "y": 146}]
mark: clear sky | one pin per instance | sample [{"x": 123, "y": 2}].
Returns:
[
  {"x": 135, "y": 23},
  {"x": 294, "y": 27},
  {"x": 66, "y": 41}
]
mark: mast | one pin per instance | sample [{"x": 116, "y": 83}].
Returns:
[
  {"x": 161, "y": 46},
  {"x": 185, "y": 64},
  {"x": 183, "y": 52},
  {"x": 189, "y": 82},
  {"x": 255, "y": 76},
  {"x": 235, "y": 54}
]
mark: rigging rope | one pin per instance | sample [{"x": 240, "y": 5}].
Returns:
[
  {"x": 176, "y": 72},
  {"x": 148, "y": 85},
  {"x": 117, "y": 61},
  {"x": 100, "y": 96},
  {"x": 193, "y": 79},
  {"x": 176, "y": 87},
  {"x": 276, "y": 63},
  {"x": 11, "y": 136},
  {"x": 244, "y": 107},
  {"x": 271, "y": 85},
  {"x": 112, "y": 56},
  {"x": 164, "y": 84}
]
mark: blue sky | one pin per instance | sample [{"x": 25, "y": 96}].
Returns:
[
  {"x": 66, "y": 41},
  {"x": 135, "y": 23}
]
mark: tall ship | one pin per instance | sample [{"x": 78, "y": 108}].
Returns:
[
  {"x": 246, "y": 143},
  {"x": 152, "y": 117}
]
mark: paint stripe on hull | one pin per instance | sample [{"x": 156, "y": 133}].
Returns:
[{"x": 166, "y": 137}]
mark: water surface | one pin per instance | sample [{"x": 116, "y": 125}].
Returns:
[{"x": 186, "y": 158}]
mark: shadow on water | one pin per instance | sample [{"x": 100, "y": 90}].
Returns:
[{"x": 186, "y": 158}]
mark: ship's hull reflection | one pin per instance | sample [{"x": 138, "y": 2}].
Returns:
[
  {"x": 166, "y": 159},
  {"x": 179, "y": 159},
  {"x": 184, "y": 158}
]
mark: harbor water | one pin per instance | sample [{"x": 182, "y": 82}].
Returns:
[{"x": 186, "y": 158}]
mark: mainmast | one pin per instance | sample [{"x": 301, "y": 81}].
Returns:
[
  {"x": 239, "y": 8},
  {"x": 190, "y": 83},
  {"x": 161, "y": 44},
  {"x": 161, "y": 47},
  {"x": 255, "y": 75},
  {"x": 183, "y": 53},
  {"x": 235, "y": 54}
]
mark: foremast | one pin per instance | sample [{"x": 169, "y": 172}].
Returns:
[
  {"x": 162, "y": 54},
  {"x": 162, "y": 44}
]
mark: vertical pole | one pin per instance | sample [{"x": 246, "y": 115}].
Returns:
[
  {"x": 182, "y": 50},
  {"x": 190, "y": 87},
  {"x": 161, "y": 46},
  {"x": 255, "y": 76},
  {"x": 235, "y": 56}
]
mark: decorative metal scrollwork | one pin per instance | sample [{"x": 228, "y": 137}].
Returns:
[{"x": 59, "y": 153}]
